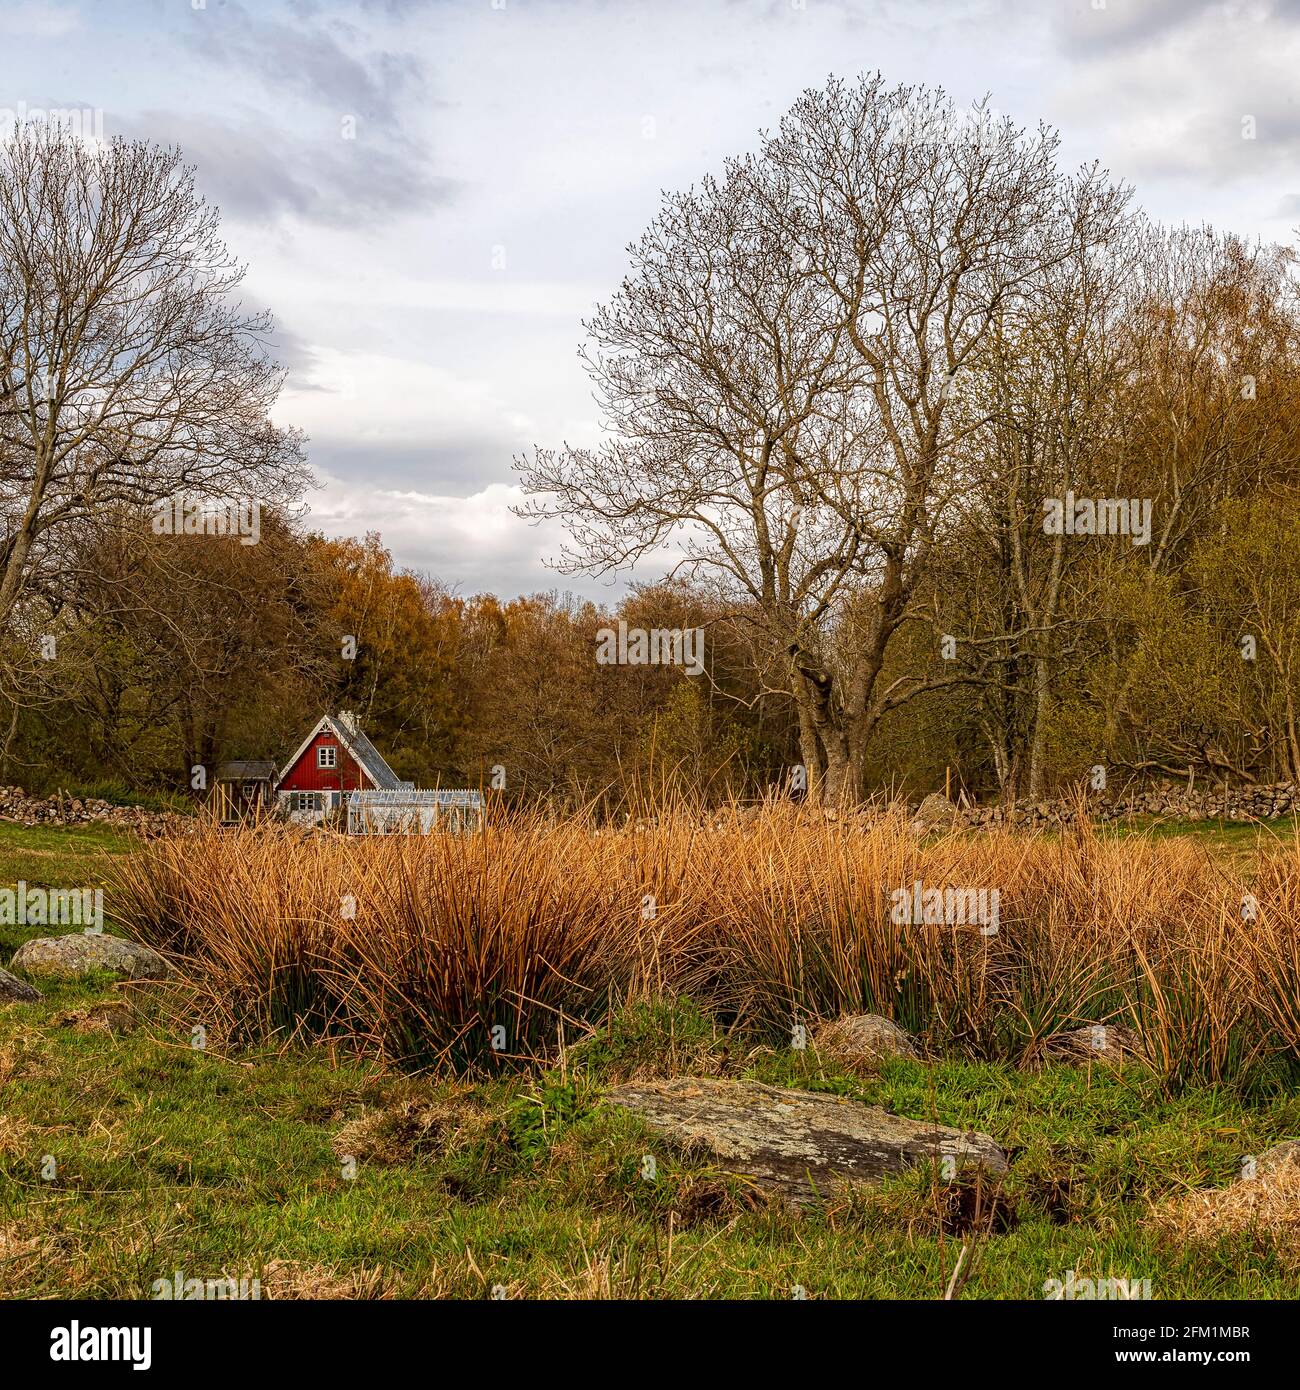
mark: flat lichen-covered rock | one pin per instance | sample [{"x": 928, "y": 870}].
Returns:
[
  {"x": 81, "y": 952},
  {"x": 799, "y": 1143}
]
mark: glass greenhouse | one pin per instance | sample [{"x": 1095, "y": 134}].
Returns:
[{"x": 406, "y": 811}]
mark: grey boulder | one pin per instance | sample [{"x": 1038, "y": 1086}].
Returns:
[
  {"x": 864, "y": 1038},
  {"x": 1280, "y": 1156},
  {"x": 81, "y": 952},
  {"x": 16, "y": 991},
  {"x": 1112, "y": 1043}
]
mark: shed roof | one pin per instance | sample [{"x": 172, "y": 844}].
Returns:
[
  {"x": 246, "y": 770},
  {"x": 409, "y": 796},
  {"x": 369, "y": 757}
]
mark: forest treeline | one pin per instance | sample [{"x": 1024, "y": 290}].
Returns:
[
  {"x": 176, "y": 652},
  {"x": 964, "y": 467}
]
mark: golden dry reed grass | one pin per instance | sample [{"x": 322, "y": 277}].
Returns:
[{"x": 488, "y": 949}]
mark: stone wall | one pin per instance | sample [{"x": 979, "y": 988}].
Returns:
[
  {"x": 1169, "y": 801},
  {"x": 19, "y": 807}
]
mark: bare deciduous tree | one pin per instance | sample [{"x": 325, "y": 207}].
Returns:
[
  {"x": 127, "y": 371},
  {"x": 777, "y": 375}
]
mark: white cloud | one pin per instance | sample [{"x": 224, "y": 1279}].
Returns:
[
  {"x": 1169, "y": 110},
  {"x": 361, "y": 399},
  {"x": 473, "y": 544},
  {"x": 475, "y": 294},
  {"x": 550, "y": 130},
  {"x": 38, "y": 19}
]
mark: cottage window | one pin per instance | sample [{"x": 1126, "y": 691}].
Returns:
[
  {"x": 327, "y": 756},
  {"x": 305, "y": 801}
]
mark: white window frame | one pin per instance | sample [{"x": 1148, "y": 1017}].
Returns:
[{"x": 327, "y": 757}]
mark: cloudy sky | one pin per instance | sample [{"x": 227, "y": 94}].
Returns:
[{"x": 431, "y": 194}]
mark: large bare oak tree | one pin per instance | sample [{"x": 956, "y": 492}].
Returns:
[{"x": 779, "y": 376}]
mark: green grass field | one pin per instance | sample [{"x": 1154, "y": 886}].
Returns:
[
  {"x": 126, "y": 1157},
  {"x": 1237, "y": 841}
]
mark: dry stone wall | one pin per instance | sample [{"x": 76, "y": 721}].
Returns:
[
  {"x": 19, "y": 807},
  {"x": 1169, "y": 802}
]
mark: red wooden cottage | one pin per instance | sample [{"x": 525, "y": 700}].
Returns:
[{"x": 336, "y": 758}]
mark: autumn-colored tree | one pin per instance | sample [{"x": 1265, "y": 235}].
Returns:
[
  {"x": 391, "y": 640},
  {"x": 182, "y": 650}
]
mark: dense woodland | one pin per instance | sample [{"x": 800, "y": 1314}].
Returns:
[{"x": 839, "y": 382}]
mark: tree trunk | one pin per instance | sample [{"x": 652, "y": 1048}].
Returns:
[{"x": 1038, "y": 741}]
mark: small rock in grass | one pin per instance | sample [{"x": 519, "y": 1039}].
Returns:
[
  {"x": 16, "y": 991},
  {"x": 1283, "y": 1155},
  {"x": 81, "y": 952},
  {"x": 1112, "y": 1043},
  {"x": 864, "y": 1038}
]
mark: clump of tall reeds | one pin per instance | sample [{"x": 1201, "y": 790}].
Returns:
[
  {"x": 476, "y": 950},
  {"x": 481, "y": 950},
  {"x": 1270, "y": 945},
  {"x": 1090, "y": 929}
]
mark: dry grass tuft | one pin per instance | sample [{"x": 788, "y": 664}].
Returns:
[
  {"x": 1265, "y": 1208},
  {"x": 411, "y": 1128},
  {"x": 114, "y": 1019},
  {"x": 21, "y": 1256},
  {"x": 288, "y": 1279},
  {"x": 15, "y": 1135},
  {"x": 23, "y": 1057}
]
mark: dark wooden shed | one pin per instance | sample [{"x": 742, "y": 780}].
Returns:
[{"x": 244, "y": 790}]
